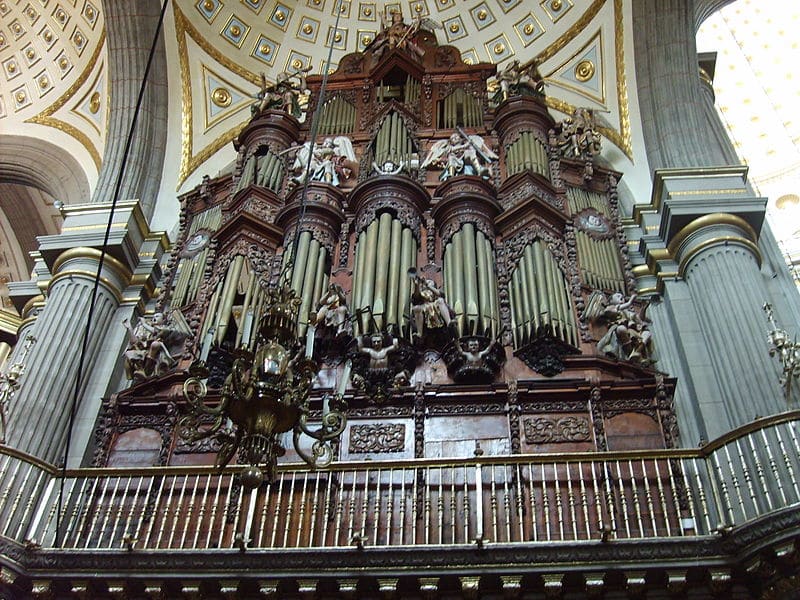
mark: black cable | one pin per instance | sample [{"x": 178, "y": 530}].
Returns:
[
  {"x": 90, "y": 315},
  {"x": 313, "y": 136}
]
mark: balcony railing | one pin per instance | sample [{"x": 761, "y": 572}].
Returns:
[{"x": 511, "y": 499}]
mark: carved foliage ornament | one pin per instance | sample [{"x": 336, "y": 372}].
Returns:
[
  {"x": 543, "y": 430},
  {"x": 404, "y": 212},
  {"x": 384, "y": 437}
]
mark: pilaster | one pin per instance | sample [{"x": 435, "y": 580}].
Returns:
[
  {"x": 699, "y": 244},
  {"x": 126, "y": 278}
]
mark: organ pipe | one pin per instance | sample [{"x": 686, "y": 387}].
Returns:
[
  {"x": 191, "y": 270},
  {"x": 540, "y": 297},
  {"x": 527, "y": 152},
  {"x": 470, "y": 282},
  {"x": 381, "y": 287}
]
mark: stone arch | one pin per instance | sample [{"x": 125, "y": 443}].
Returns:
[{"x": 33, "y": 174}]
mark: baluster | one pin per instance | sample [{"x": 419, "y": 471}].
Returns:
[
  {"x": 571, "y": 498},
  {"x": 18, "y": 496},
  {"x": 662, "y": 500},
  {"x": 277, "y": 512},
  {"x": 584, "y": 501},
  {"x": 365, "y": 504},
  {"x": 787, "y": 461},
  {"x": 152, "y": 515},
  {"x": 748, "y": 480},
  {"x": 326, "y": 515},
  {"x": 723, "y": 487},
  {"x": 176, "y": 512},
  {"x": 201, "y": 514},
  {"x": 598, "y": 505},
  {"x": 377, "y": 510},
  {"x": 649, "y": 497},
  {"x": 559, "y": 502},
  {"x": 637, "y": 506},
  {"x": 189, "y": 511},
  {"x": 765, "y": 492},
  {"x": 287, "y": 524},
  {"x": 774, "y": 466},
  {"x": 453, "y": 516},
  {"x": 479, "y": 532},
  {"x": 213, "y": 517},
  {"x": 351, "y": 504},
  {"x": 427, "y": 512},
  {"x": 301, "y": 519},
  {"x": 32, "y": 496},
  {"x": 519, "y": 499},
  {"x": 223, "y": 514},
  {"x": 735, "y": 480},
  {"x": 403, "y": 473},
  {"x": 623, "y": 501},
  {"x": 493, "y": 503},
  {"x": 545, "y": 506},
  {"x": 440, "y": 505},
  {"x": 314, "y": 506},
  {"x": 467, "y": 510},
  {"x": 389, "y": 509}
]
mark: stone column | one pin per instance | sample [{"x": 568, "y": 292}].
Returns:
[
  {"x": 38, "y": 423},
  {"x": 703, "y": 259},
  {"x": 131, "y": 27},
  {"x": 720, "y": 262},
  {"x": 40, "y": 413}
]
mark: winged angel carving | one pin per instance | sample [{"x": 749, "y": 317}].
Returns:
[
  {"x": 628, "y": 337},
  {"x": 331, "y": 161},
  {"x": 461, "y": 154}
]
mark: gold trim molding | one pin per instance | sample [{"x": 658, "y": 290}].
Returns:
[{"x": 92, "y": 254}]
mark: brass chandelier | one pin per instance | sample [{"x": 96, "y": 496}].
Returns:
[{"x": 266, "y": 395}]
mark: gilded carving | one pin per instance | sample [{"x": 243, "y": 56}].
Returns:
[{"x": 385, "y": 437}]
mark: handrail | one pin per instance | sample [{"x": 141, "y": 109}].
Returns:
[{"x": 545, "y": 457}]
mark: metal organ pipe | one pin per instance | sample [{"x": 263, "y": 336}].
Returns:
[
  {"x": 384, "y": 253},
  {"x": 470, "y": 281},
  {"x": 539, "y": 296}
]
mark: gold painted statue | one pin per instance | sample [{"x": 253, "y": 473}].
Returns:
[
  {"x": 516, "y": 80},
  {"x": 283, "y": 95}
]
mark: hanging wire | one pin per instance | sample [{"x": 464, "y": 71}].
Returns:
[
  {"x": 90, "y": 315},
  {"x": 315, "y": 118}
]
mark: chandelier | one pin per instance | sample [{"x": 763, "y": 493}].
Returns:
[
  {"x": 787, "y": 351},
  {"x": 266, "y": 395}
]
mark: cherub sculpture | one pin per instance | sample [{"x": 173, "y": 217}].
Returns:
[
  {"x": 151, "y": 346},
  {"x": 628, "y": 337},
  {"x": 378, "y": 367},
  {"x": 577, "y": 137},
  {"x": 428, "y": 306},
  {"x": 474, "y": 359},
  {"x": 516, "y": 80},
  {"x": 332, "y": 312},
  {"x": 331, "y": 161},
  {"x": 461, "y": 154},
  {"x": 283, "y": 95}
]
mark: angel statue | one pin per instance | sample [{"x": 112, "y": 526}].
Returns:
[
  {"x": 283, "y": 95},
  {"x": 153, "y": 343},
  {"x": 461, "y": 154},
  {"x": 331, "y": 161},
  {"x": 395, "y": 33},
  {"x": 332, "y": 312},
  {"x": 628, "y": 337},
  {"x": 517, "y": 80}
]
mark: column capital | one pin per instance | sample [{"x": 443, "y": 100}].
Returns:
[
  {"x": 85, "y": 226},
  {"x": 690, "y": 210}
]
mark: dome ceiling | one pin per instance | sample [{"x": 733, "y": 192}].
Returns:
[
  {"x": 223, "y": 46},
  {"x": 52, "y": 58}
]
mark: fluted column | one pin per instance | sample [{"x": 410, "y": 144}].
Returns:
[
  {"x": 48, "y": 387},
  {"x": 677, "y": 132},
  {"x": 720, "y": 261},
  {"x": 131, "y": 27}
]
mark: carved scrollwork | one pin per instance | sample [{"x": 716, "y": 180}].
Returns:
[
  {"x": 520, "y": 193},
  {"x": 384, "y": 437},
  {"x": 456, "y": 221},
  {"x": 543, "y": 430},
  {"x": 405, "y": 213}
]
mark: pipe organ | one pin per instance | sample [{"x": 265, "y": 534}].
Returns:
[
  {"x": 385, "y": 251},
  {"x": 435, "y": 291},
  {"x": 540, "y": 298},
  {"x": 338, "y": 117},
  {"x": 307, "y": 266},
  {"x": 527, "y": 153},
  {"x": 393, "y": 142},
  {"x": 192, "y": 264},
  {"x": 460, "y": 109},
  {"x": 470, "y": 283},
  {"x": 598, "y": 250}
]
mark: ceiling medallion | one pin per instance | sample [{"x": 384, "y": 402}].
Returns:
[
  {"x": 221, "y": 97},
  {"x": 94, "y": 103},
  {"x": 499, "y": 48},
  {"x": 556, "y": 5},
  {"x": 584, "y": 70}
]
